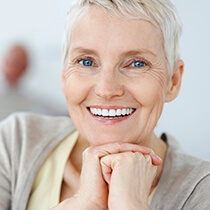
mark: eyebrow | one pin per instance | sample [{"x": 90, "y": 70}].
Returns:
[
  {"x": 84, "y": 50},
  {"x": 124, "y": 54},
  {"x": 138, "y": 51}
]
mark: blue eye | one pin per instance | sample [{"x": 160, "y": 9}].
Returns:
[
  {"x": 138, "y": 64},
  {"x": 86, "y": 62}
]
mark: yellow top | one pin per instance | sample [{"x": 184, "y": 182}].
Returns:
[
  {"x": 45, "y": 192},
  {"x": 46, "y": 188}
]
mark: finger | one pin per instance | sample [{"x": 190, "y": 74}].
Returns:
[
  {"x": 156, "y": 160},
  {"x": 116, "y": 148},
  {"x": 101, "y": 151},
  {"x": 108, "y": 162},
  {"x": 106, "y": 169}
]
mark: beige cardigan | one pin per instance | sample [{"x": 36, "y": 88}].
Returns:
[{"x": 27, "y": 139}]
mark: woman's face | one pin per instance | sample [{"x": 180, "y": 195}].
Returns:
[{"x": 115, "y": 67}]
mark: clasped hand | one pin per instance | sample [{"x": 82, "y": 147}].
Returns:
[{"x": 114, "y": 176}]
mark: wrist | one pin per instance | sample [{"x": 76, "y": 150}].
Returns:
[{"x": 131, "y": 206}]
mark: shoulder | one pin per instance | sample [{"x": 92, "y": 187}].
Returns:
[
  {"x": 193, "y": 177},
  {"x": 199, "y": 197},
  {"x": 24, "y": 120},
  {"x": 33, "y": 125},
  {"x": 25, "y": 141},
  {"x": 183, "y": 176},
  {"x": 26, "y": 131},
  {"x": 187, "y": 171},
  {"x": 184, "y": 163}
]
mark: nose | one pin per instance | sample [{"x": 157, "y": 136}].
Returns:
[{"x": 109, "y": 85}]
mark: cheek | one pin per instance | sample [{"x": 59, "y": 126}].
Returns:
[
  {"x": 148, "y": 91},
  {"x": 76, "y": 88}
]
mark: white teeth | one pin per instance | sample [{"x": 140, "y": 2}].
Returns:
[
  {"x": 127, "y": 111},
  {"x": 111, "y": 113},
  {"x": 99, "y": 111},
  {"x": 124, "y": 111},
  {"x": 92, "y": 110},
  {"x": 95, "y": 111},
  {"x": 118, "y": 112},
  {"x": 105, "y": 112}
]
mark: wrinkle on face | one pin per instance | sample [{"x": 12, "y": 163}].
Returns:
[
  {"x": 99, "y": 47},
  {"x": 158, "y": 75},
  {"x": 112, "y": 43},
  {"x": 72, "y": 69}
]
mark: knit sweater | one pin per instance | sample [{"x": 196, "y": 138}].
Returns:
[{"x": 26, "y": 140}]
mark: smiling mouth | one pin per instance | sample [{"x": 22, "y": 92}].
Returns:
[{"x": 111, "y": 113}]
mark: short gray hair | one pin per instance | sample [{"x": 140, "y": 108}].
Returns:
[{"x": 161, "y": 13}]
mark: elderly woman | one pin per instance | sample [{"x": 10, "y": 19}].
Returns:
[{"x": 121, "y": 64}]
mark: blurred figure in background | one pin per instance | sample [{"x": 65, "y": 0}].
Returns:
[
  {"x": 12, "y": 98},
  {"x": 15, "y": 65}
]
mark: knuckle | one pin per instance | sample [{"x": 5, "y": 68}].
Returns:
[
  {"x": 148, "y": 158},
  {"x": 119, "y": 160},
  {"x": 130, "y": 157},
  {"x": 139, "y": 155}
]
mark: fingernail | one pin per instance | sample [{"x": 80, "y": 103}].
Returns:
[
  {"x": 158, "y": 157},
  {"x": 151, "y": 151}
]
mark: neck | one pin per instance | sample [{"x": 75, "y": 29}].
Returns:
[
  {"x": 76, "y": 154},
  {"x": 160, "y": 148}
]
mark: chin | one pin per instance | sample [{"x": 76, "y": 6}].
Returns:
[{"x": 97, "y": 139}]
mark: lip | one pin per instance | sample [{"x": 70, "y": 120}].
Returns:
[
  {"x": 111, "y": 107},
  {"x": 108, "y": 121}
]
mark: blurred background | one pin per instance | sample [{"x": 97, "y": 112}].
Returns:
[{"x": 39, "y": 26}]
